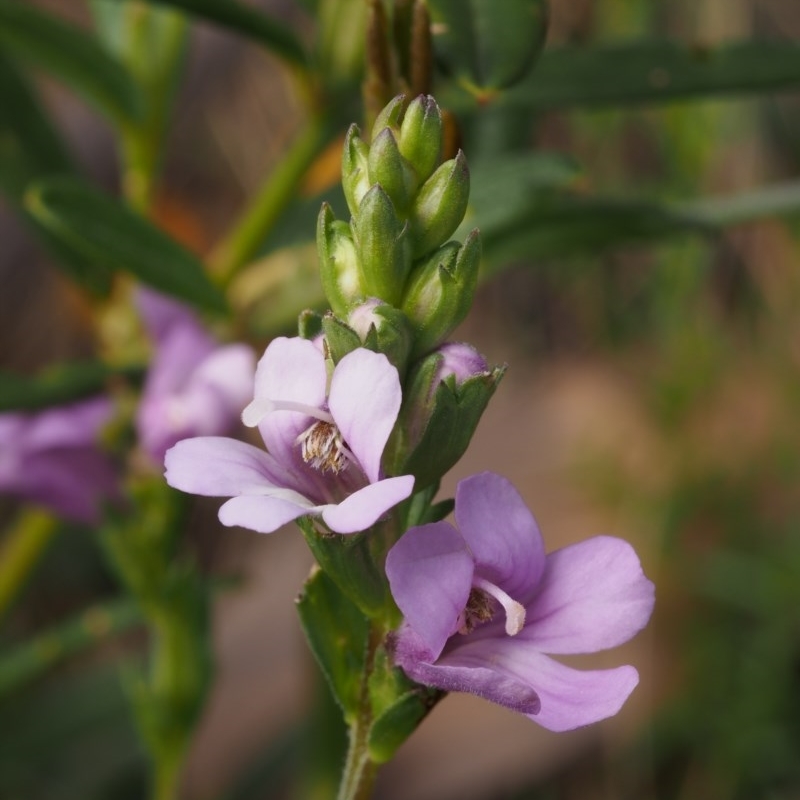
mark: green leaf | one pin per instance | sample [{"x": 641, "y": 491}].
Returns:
[
  {"x": 54, "y": 386},
  {"x": 655, "y": 71},
  {"x": 337, "y": 634},
  {"x": 398, "y": 706},
  {"x": 72, "y": 55},
  {"x": 246, "y": 21},
  {"x": 570, "y": 224},
  {"x": 26, "y": 135},
  {"x": 114, "y": 237},
  {"x": 488, "y": 44}
]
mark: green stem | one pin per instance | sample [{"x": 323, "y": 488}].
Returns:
[
  {"x": 21, "y": 551},
  {"x": 360, "y": 770},
  {"x": 243, "y": 242}
]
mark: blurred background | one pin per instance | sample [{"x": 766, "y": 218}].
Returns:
[{"x": 641, "y": 282}]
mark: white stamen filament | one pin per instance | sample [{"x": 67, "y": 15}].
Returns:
[
  {"x": 261, "y": 406},
  {"x": 515, "y": 612}
]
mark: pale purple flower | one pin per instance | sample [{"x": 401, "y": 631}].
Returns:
[
  {"x": 324, "y": 438},
  {"x": 484, "y": 606},
  {"x": 195, "y": 386},
  {"x": 53, "y": 458}
]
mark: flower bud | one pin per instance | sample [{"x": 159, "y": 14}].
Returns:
[
  {"x": 382, "y": 246},
  {"x": 384, "y": 329},
  {"x": 420, "y": 139},
  {"x": 355, "y": 170},
  {"x": 444, "y": 398},
  {"x": 339, "y": 268},
  {"x": 390, "y": 116},
  {"x": 388, "y": 168},
  {"x": 439, "y": 206},
  {"x": 441, "y": 290}
]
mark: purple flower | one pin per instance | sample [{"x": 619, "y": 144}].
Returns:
[
  {"x": 324, "y": 439},
  {"x": 53, "y": 458},
  {"x": 483, "y": 605},
  {"x": 194, "y": 386}
]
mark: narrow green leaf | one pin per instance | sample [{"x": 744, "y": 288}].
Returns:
[
  {"x": 32, "y": 659},
  {"x": 72, "y": 56},
  {"x": 56, "y": 386},
  {"x": 25, "y": 131},
  {"x": 571, "y": 225},
  {"x": 246, "y": 21},
  {"x": 488, "y": 45},
  {"x": 114, "y": 237},
  {"x": 337, "y": 634},
  {"x": 656, "y": 71}
]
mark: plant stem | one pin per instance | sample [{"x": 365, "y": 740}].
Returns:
[
  {"x": 359, "y": 771},
  {"x": 243, "y": 242},
  {"x": 24, "y": 546}
]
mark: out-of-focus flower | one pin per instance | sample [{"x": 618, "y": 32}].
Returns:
[
  {"x": 324, "y": 445},
  {"x": 483, "y": 605},
  {"x": 195, "y": 386},
  {"x": 53, "y": 458}
]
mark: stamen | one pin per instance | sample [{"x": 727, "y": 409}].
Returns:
[
  {"x": 259, "y": 407},
  {"x": 323, "y": 447},
  {"x": 515, "y": 612}
]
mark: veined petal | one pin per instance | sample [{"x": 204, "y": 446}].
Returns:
[
  {"x": 219, "y": 467},
  {"x": 263, "y": 513},
  {"x": 430, "y": 574},
  {"x": 479, "y": 677},
  {"x": 501, "y": 533},
  {"x": 364, "y": 400},
  {"x": 290, "y": 370},
  {"x": 366, "y": 506},
  {"x": 570, "y": 698},
  {"x": 593, "y": 595}
]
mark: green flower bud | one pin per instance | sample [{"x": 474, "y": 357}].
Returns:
[
  {"x": 355, "y": 170},
  {"x": 390, "y": 117},
  {"x": 443, "y": 400},
  {"x": 339, "y": 269},
  {"x": 440, "y": 206},
  {"x": 440, "y": 291},
  {"x": 382, "y": 245},
  {"x": 384, "y": 329},
  {"x": 388, "y": 168},
  {"x": 421, "y": 136},
  {"x": 340, "y": 338}
]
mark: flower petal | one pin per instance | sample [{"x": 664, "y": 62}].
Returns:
[
  {"x": 263, "y": 513},
  {"x": 570, "y": 698},
  {"x": 478, "y": 677},
  {"x": 366, "y": 506},
  {"x": 160, "y": 313},
  {"x": 219, "y": 467},
  {"x": 364, "y": 400},
  {"x": 501, "y": 532},
  {"x": 74, "y": 425},
  {"x": 593, "y": 595},
  {"x": 430, "y": 573},
  {"x": 290, "y": 370}
]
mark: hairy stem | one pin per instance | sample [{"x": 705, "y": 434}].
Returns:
[{"x": 359, "y": 771}]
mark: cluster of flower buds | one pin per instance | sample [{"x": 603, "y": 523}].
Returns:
[
  {"x": 398, "y": 285},
  {"x": 405, "y": 205}
]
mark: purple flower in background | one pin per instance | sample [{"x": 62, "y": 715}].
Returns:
[
  {"x": 324, "y": 438},
  {"x": 194, "y": 386},
  {"x": 53, "y": 458},
  {"x": 483, "y": 605}
]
